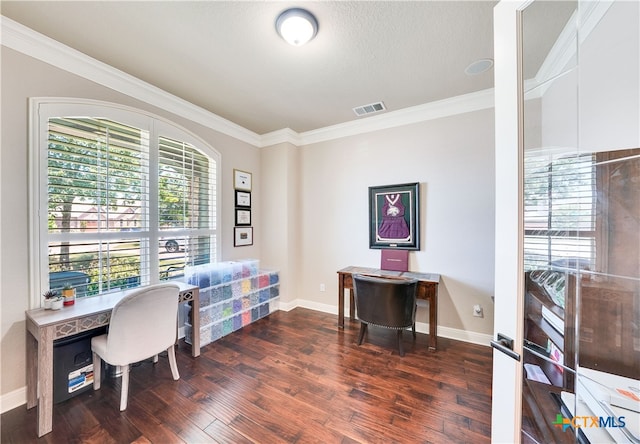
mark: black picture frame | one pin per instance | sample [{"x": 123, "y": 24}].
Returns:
[
  {"x": 242, "y": 236},
  {"x": 243, "y": 199},
  {"x": 394, "y": 216},
  {"x": 243, "y": 217}
]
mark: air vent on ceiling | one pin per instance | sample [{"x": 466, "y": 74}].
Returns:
[{"x": 368, "y": 109}]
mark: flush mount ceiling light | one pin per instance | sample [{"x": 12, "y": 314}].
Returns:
[
  {"x": 478, "y": 67},
  {"x": 297, "y": 26}
]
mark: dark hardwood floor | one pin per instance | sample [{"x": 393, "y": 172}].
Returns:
[{"x": 292, "y": 377}]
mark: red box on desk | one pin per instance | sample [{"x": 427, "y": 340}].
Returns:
[{"x": 394, "y": 260}]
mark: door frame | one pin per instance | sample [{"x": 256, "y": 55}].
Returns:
[{"x": 506, "y": 409}]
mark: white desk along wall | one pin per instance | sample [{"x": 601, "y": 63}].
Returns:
[{"x": 45, "y": 326}]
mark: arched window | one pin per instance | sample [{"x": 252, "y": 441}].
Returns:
[{"x": 120, "y": 198}]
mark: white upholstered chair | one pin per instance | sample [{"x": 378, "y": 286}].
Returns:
[{"x": 142, "y": 325}]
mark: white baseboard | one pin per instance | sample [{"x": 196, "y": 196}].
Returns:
[
  {"x": 316, "y": 306},
  {"x": 464, "y": 336},
  {"x": 11, "y": 400},
  {"x": 18, "y": 397},
  {"x": 421, "y": 327}
]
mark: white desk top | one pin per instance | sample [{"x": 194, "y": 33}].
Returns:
[{"x": 87, "y": 306}]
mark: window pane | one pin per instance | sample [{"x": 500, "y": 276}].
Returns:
[
  {"x": 177, "y": 252},
  {"x": 102, "y": 234},
  {"x": 186, "y": 206},
  {"x": 559, "y": 215},
  {"x": 96, "y": 178},
  {"x": 97, "y": 186},
  {"x": 108, "y": 265},
  {"x": 185, "y": 186}
]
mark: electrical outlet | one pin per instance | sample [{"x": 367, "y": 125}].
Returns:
[
  {"x": 322, "y": 287},
  {"x": 477, "y": 311}
]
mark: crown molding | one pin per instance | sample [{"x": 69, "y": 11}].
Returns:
[
  {"x": 429, "y": 111},
  {"x": 285, "y": 135},
  {"x": 31, "y": 43}
]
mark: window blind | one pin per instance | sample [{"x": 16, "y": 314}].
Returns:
[
  {"x": 102, "y": 233},
  {"x": 97, "y": 200},
  {"x": 187, "y": 200},
  {"x": 559, "y": 210}
]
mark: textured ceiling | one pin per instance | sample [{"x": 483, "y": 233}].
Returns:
[{"x": 227, "y": 58}]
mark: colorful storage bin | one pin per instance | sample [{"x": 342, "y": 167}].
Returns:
[{"x": 232, "y": 295}]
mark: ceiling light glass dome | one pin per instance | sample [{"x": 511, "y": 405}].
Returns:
[{"x": 297, "y": 26}]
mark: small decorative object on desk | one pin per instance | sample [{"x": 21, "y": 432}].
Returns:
[
  {"x": 49, "y": 297},
  {"x": 57, "y": 304},
  {"x": 69, "y": 294}
]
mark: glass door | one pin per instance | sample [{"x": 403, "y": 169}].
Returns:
[
  {"x": 580, "y": 157},
  {"x": 556, "y": 203},
  {"x": 567, "y": 101}
]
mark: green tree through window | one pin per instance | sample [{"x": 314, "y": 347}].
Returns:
[{"x": 125, "y": 204}]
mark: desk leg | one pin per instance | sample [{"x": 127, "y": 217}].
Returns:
[
  {"x": 45, "y": 381},
  {"x": 195, "y": 319},
  {"x": 340, "y": 301},
  {"x": 32, "y": 370},
  {"x": 352, "y": 305},
  {"x": 433, "y": 322}
]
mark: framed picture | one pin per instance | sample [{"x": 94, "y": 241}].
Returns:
[
  {"x": 243, "y": 199},
  {"x": 394, "y": 216},
  {"x": 241, "y": 180},
  {"x": 243, "y": 217},
  {"x": 242, "y": 236}
]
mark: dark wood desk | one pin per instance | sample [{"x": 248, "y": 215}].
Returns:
[
  {"x": 427, "y": 290},
  {"x": 45, "y": 326}
]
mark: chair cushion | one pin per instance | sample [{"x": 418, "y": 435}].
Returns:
[{"x": 99, "y": 346}]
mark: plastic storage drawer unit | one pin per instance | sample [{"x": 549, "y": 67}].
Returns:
[{"x": 73, "y": 365}]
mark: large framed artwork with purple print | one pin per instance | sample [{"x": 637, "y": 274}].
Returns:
[{"x": 394, "y": 216}]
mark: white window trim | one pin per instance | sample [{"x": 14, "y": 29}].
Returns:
[{"x": 40, "y": 109}]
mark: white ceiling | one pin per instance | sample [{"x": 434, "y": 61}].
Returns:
[{"x": 226, "y": 57}]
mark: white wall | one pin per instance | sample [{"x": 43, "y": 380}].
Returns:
[
  {"x": 452, "y": 159},
  {"x": 280, "y": 226},
  {"x": 24, "y": 77}
]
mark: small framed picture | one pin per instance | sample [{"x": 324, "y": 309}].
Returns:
[
  {"x": 243, "y": 199},
  {"x": 243, "y": 236},
  {"x": 243, "y": 217},
  {"x": 241, "y": 180}
]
